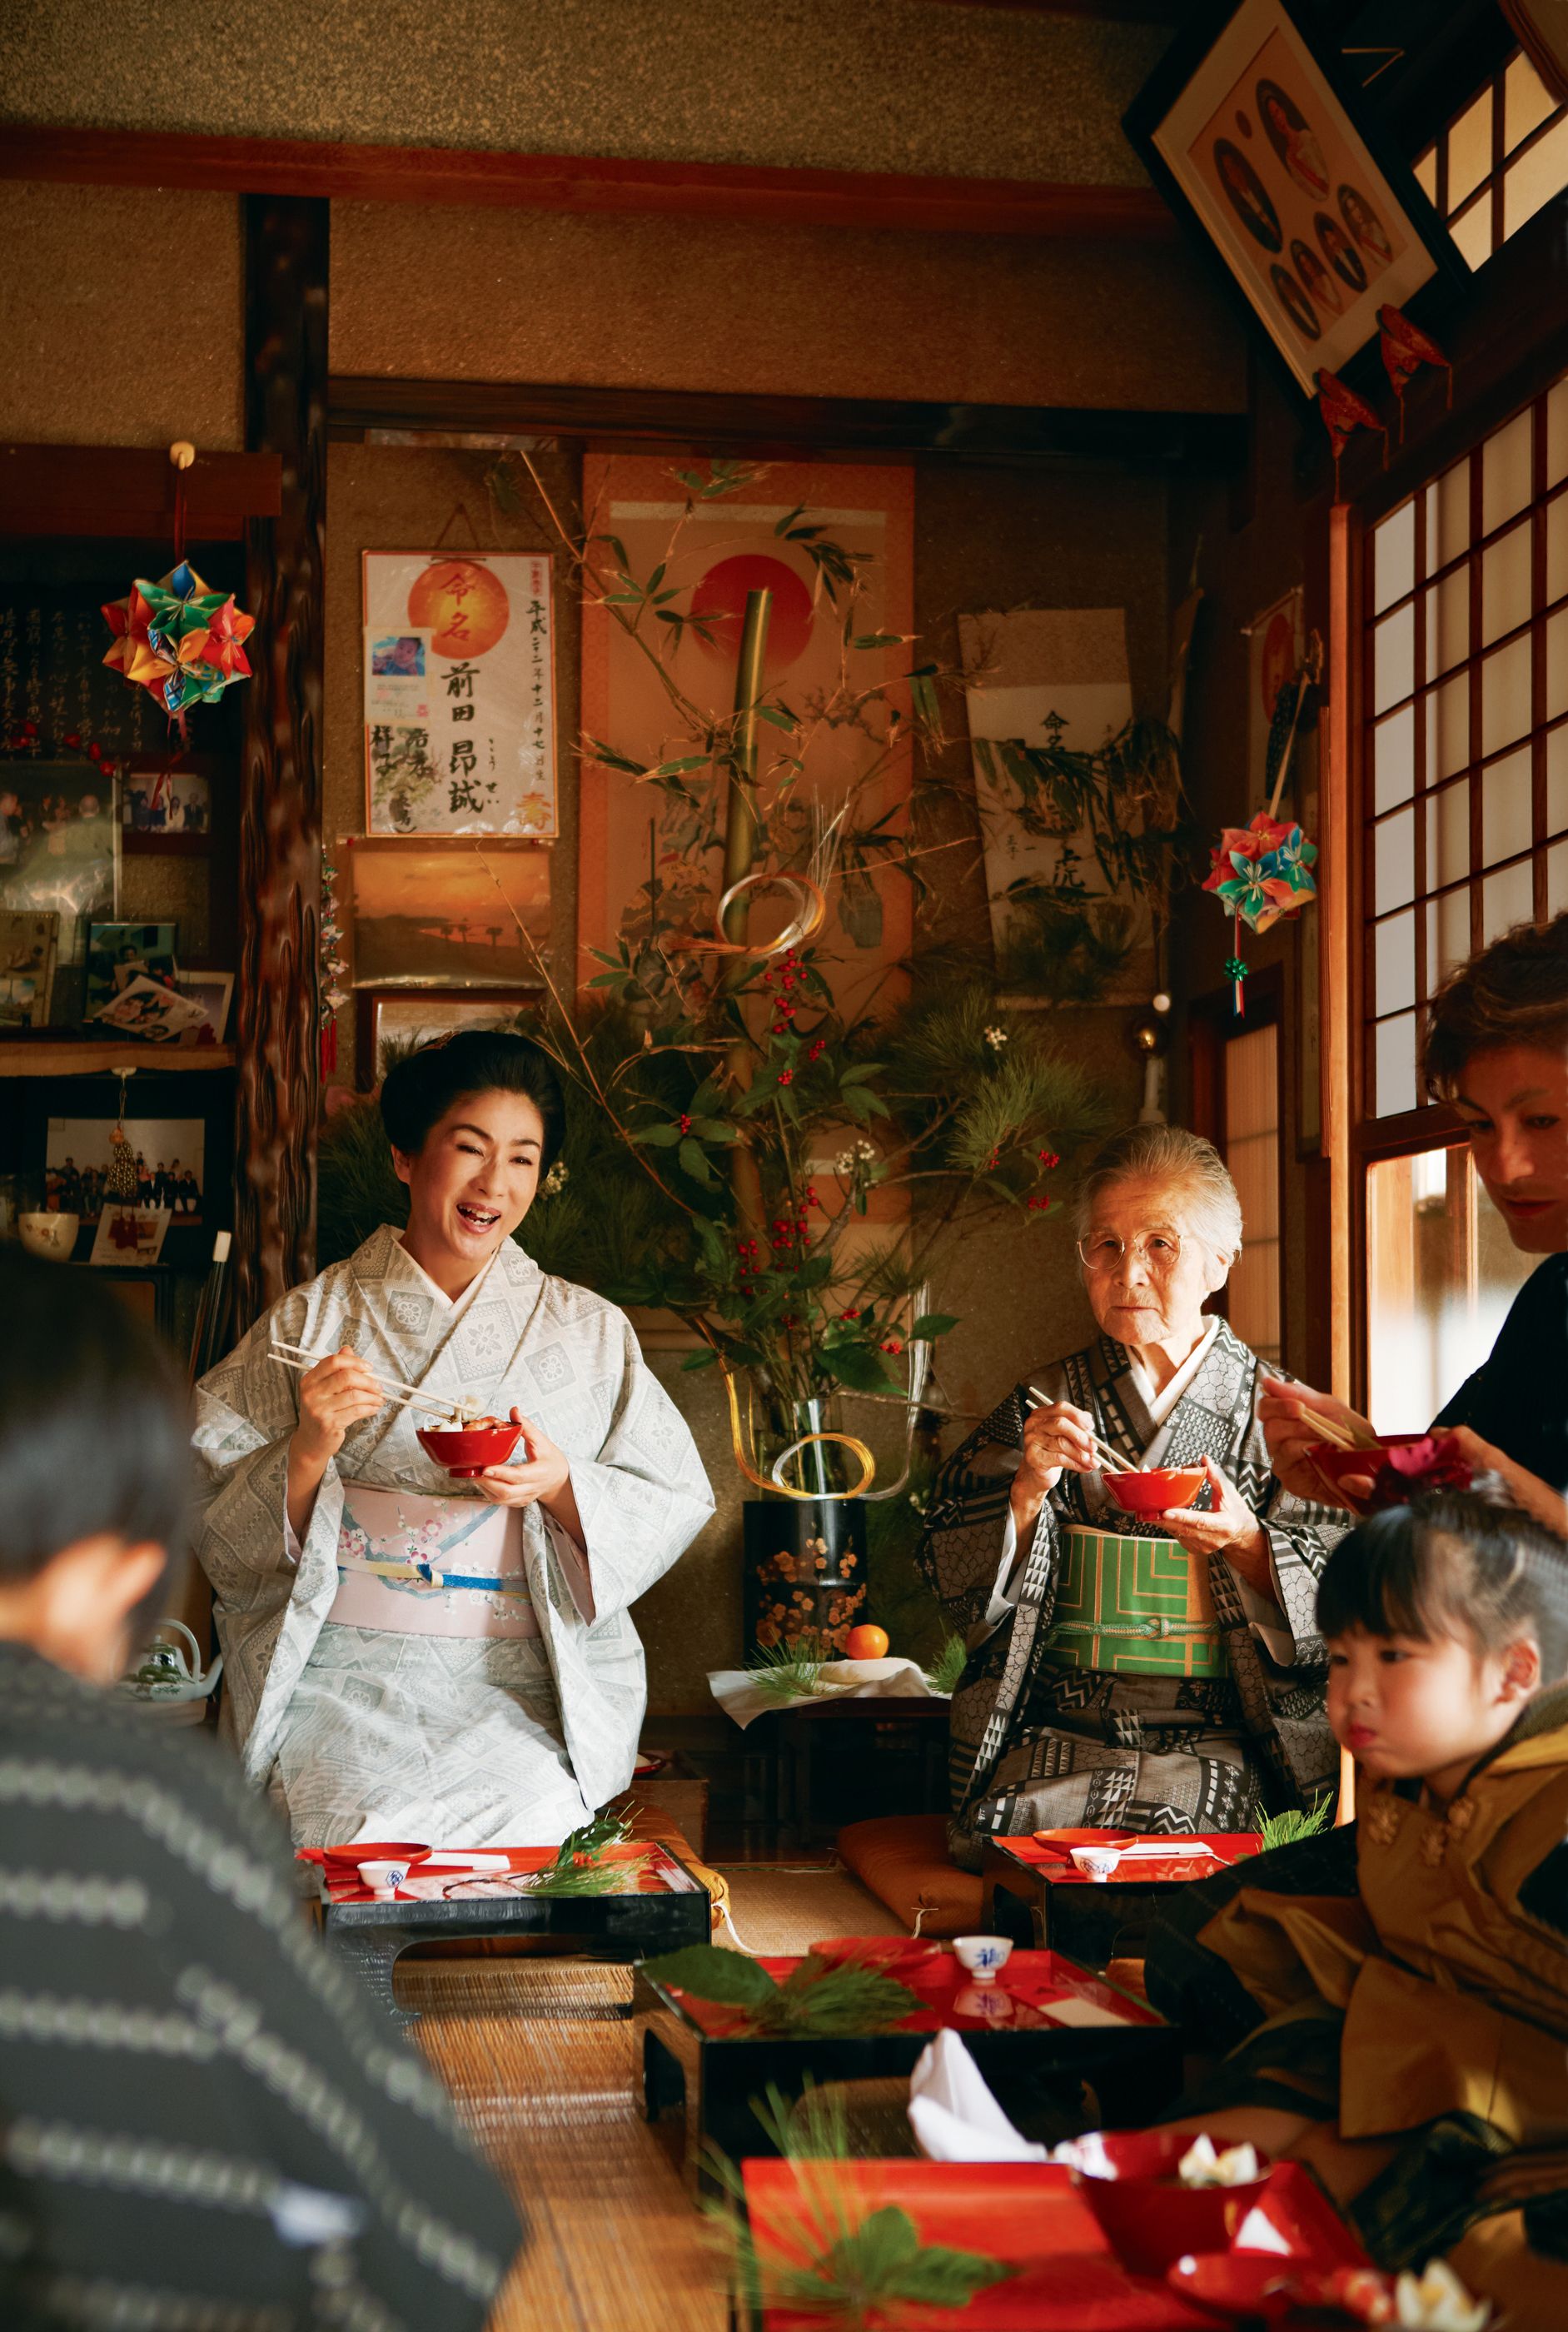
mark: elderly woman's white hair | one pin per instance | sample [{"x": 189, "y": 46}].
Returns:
[{"x": 1169, "y": 1154}]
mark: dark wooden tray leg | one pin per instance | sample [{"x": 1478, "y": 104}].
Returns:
[{"x": 372, "y": 1954}]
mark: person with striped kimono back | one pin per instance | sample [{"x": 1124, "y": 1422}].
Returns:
[
  {"x": 1164, "y": 1674},
  {"x": 204, "y": 2120}
]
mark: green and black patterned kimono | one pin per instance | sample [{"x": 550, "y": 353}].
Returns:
[{"x": 1114, "y": 1681}]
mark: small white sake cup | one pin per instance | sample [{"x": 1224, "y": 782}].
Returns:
[
  {"x": 984, "y": 1956},
  {"x": 383, "y": 1878},
  {"x": 1096, "y": 1862}
]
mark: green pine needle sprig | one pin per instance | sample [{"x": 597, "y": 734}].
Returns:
[
  {"x": 946, "y": 1670},
  {"x": 1283, "y": 1829},
  {"x": 819, "y": 1996}
]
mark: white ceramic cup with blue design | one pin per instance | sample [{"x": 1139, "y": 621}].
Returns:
[
  {"x": 383, "y": 1878},
  {"x": 984, "y": 1956}
]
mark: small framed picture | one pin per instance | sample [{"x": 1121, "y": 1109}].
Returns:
[
  {"x": 212, "y": 991},
  {"x": 130, "y": 1235},
  {"x": 28, "y": 946},
  {"x": 60, "y": 853},
  {"x": 166, "y": 801},
  {"x": 1251, "y": 132},
  {"x": 401, "y": 1022},
  {"x": 448, "y": 915},
  {"x": 148, "y": 1008},
  {"x": 169, "y": 1154},
  {"x": 118, "y": 954}
]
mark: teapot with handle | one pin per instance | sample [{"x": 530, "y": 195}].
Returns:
[{"x": 164, "y": 1672}]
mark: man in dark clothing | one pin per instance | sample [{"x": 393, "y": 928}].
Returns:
[{"x": 202, "y": 2119}]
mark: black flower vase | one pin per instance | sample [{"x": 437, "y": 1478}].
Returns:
[{"x": 805, "y": 1583}]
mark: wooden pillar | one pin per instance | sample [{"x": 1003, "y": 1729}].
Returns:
[{"x": 277, "y": 1072}]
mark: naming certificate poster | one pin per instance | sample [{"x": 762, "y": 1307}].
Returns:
[{"x": 459, "y": 694}]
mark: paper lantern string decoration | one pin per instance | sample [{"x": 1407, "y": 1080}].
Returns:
[
  {"x": 1405, "y": 349},
  {"x": 1343, "y": 413},
  {"x": 1261, "y": 873},
  {"x": 179, "y": 640},
  {"x": 333, "y": 994}
]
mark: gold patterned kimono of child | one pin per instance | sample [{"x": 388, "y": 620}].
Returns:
[{"x": 1419, "y": 2007}]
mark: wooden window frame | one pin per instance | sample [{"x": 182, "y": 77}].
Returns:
[
  {"x": 1515, "y": 346},
  {"x": 1212, "y": 1021}
]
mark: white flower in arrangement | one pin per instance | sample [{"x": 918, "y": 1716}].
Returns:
[
  {"x": 996, "y": 1037},
  {"x": 555, "y": 1180},
  {"x": 848, "y": 1160}
]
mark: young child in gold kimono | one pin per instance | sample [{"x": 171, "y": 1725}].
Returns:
[{"x": 1394, "y": 1996}]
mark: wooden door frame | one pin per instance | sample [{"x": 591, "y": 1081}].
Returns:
[{"x": 1212, "y": 1021}]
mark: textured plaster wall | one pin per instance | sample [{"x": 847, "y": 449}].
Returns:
[
  {"x": 624, "y": 302},
  {"x": 904, "y": 85},
  {"x": 101, "y": 347},
  {"x": 1255, "y": 538}
]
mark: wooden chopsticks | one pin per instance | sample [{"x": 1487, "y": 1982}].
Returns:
[
  {"x": 405, "y": 1396},
  {"x": 1108, "y": 1461},
  {"x": 1329, "y": 1429}
]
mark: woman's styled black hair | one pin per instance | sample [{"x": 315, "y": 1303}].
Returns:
[
  {"x": 1512, "y": 992},
  {"x": 94, "y": 1423},
  {"x": 1453, "y": 1563},
  {"x": 418, "y": 1090}
]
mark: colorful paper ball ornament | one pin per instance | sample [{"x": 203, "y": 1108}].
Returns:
[{"x": 179, "y": 640}]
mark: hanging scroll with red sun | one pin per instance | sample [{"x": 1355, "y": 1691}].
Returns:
[{"x": 459, "y": 694}]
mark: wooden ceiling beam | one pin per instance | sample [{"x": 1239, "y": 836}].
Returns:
[
  {"x": 864, "y": 199},
  {"x": 821, "y": 428}
]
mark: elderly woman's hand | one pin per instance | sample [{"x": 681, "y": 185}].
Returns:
[
  {"x": 1528, "y": 1491},
  {"x": 1055, "y": 1435},
  {"x": 1226, "y": 1527}
]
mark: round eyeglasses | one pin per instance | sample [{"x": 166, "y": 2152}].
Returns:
[{"x": 1158, "y": 1251}]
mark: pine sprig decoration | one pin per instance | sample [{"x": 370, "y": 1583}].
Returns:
[
  {"x": 580, "y": 1867},
  {"x": 787, "y": 1672},
  {"x": 819, "y": 1996},
  {"x": 946, "y": 1671},
  {"x": 1284, "y": 1829}
]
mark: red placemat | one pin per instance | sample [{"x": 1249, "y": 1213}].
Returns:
[
  {"x": 450, "y": 1880},
  {"x": 1055, "y": 1856},
  {"x": 1029, "y": 2216},
  {"x": 1030, "y": 1985}
]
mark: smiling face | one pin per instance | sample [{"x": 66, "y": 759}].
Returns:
[
  {"x": 471, "y": 1183},
  {"x": 1514, "y": 1104},
  {"x": 1154, "y": 1295},
  {"x": 1410, "y": 1704}
]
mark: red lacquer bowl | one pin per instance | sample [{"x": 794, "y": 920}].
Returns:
[
  {"x": 1156, "y": 1491},
  {"x": 1340, "y": 1466},
  {"x": 1148, "y": 2217},
  {"x": 466, "y": 1450}
]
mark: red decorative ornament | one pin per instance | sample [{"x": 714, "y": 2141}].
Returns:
[
  {"x": 1343, "y": 413},
  {"x": 1405, "y": 349}
]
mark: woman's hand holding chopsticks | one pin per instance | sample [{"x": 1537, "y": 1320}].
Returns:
[
  {"x": 1056, "y": 1437},
  {"x": 338, "y": 1393},
  {"x": 1294, "y": 1417}
]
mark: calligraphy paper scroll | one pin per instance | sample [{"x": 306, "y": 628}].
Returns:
[{"x": 459, "y": 694}]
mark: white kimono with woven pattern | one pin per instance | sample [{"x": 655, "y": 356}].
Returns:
[{"x": 569, "y": 1362}]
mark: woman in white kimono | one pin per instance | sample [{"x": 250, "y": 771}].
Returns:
[{"x": 409, "y": 1656}]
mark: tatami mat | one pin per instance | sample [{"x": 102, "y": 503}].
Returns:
[{"x": 780, "y": 1909}]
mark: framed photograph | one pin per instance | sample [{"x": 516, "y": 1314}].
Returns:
[
  {"x": 130, "y": 1235},
  {"x": 1253, "y": 130},
  {"x": 60, "y": 853},
  {"x": 28, "y": 945},
  {"x": 212, "y": 991},
  {"x": 119, "y": 954},
  {"x": 166, "y": 801},
  {"x": 412, "y": 1017},
  {"x": 170, "y": 1156},
  {"x": 459, "y": 694},
  {"x": 148, "y": 1009},
  {"x": 447, "y": 915}
]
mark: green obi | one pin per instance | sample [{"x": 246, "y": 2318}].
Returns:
[{"x": 1133, "y": 1607}]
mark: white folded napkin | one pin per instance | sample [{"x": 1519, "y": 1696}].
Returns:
[
  {"x": 891, "y": 1679},
  {"x": 953, "y": 2115}
]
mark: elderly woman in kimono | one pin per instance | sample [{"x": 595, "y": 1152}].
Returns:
[
  {"x": 1145, "y": 1674},
  {"x": 409, "y": 1656}
]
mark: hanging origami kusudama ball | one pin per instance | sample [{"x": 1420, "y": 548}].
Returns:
[
  {"x": 181, "y": 642},
  {"x": 1263, "y": 871}
]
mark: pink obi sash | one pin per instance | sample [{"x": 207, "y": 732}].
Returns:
[{"x": 410, "y": 1564}]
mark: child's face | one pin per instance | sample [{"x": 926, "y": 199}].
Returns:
[{"x": 1407, "y": 1705}]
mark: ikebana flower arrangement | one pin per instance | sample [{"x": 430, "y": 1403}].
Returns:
[{"x": 786, "y": 1173}]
